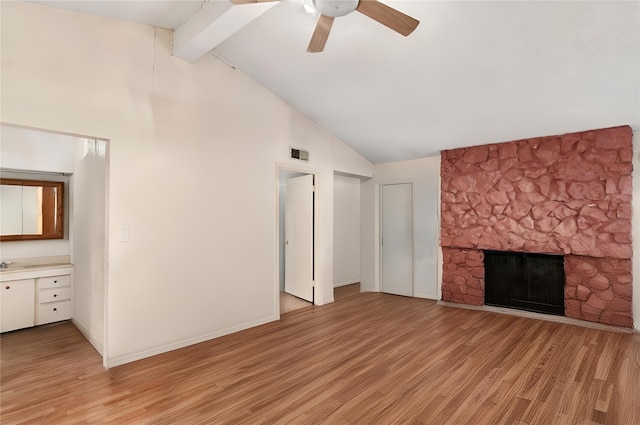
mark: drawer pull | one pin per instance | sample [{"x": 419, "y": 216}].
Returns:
[
  {"x": 55, "y": 308},
  {"x": 7, "y": 287},
  {"x": 55, "y": 295},
  {"x": 55, "y": 281}
]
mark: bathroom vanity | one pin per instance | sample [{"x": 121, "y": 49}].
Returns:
[{"x": 34, "y": 294}]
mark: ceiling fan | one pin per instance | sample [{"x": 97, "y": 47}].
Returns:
[{"x": 331, "y": 9}]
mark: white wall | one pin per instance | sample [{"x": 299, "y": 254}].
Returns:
[
  {"x": 423, "y": 173},
  {"x": 89, "y": 243},
  {"x": 201, "y": 260},
  {"x": 25, "y": 149},
  {"x": 635, "y": 228},
  {"x": 346, "y": 230}
]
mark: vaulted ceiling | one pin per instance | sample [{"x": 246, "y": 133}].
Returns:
[{"x": 473, "y": 72}]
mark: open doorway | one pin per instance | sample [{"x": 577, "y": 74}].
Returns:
[
  {"x": 296, "y": 219},
  {"x": 82, "y": 164},
  {"x": 346, "y": 235}
]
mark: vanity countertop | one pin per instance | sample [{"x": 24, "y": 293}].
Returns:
[{"x": 30, "y": 271}]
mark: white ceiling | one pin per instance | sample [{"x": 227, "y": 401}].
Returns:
[{"x": 473, "y": 72}]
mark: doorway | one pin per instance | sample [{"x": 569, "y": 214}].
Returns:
[
  {"x": 296, "y": 219},
  {"x": 83, "y": 161},
  {"x": 396, "y": 239}
]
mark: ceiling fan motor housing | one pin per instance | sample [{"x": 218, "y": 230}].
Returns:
[{"x": 335, "y": 8}]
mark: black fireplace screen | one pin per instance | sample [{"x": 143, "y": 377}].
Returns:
[{"x": 533, "y": 282}]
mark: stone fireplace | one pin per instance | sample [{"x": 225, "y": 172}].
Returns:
[{"x": 566, "y": 195}]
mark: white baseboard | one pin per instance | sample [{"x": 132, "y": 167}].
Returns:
[
  {"x": 350, "y": 282},
  {"x": 97, "y": 344},
  {"x": 120, "y": 360},
  {"x": 425, "y": 296}
]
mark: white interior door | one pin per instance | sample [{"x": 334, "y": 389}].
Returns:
[
  {"x": 396, "y": 249},
  {"x": 298, "y": 236}
]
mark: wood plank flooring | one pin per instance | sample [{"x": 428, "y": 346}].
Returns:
[
  {"x": 341, "y": 292},
  {"x": 290, "y": 303},
  {"x": 368, "y": 359}
]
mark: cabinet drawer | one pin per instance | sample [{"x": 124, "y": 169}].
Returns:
[
  {"x": 55, "y": 294},
  {"x": 53, "y": 312},
  {"x": 54, "y": 281}
]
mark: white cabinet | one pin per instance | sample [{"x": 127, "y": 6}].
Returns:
[
  {"x": 53, "y": 299},
  {"x": 34, "y": 296},
  {"x": 16, "y": 304}
]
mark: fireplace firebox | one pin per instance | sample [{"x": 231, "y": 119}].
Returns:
[{"x": 533, "y": 282}]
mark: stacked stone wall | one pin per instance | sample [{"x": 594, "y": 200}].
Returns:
[
  {"x": 598, "y": 290},
  {"x": 463, "y": 276}
]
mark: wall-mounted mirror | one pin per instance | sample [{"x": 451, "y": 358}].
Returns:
[{"x": 31, "y": 209}]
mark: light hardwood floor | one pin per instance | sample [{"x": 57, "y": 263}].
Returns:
[
  {"x": 290, "y": 303},
  {"x": 368, "y": 359},
  {"x": 341, "y": 292}
]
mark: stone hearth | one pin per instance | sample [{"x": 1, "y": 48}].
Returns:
[{"x": 567, "y": 194}]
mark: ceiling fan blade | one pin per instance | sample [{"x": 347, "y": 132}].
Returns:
[
  {"x": 251, "y": 1},
  {"x": 392, "y": 18},
  {"x": 320, "y": 34}
]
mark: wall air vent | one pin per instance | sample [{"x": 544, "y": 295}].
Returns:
[{"x": 299, "y": 154}]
